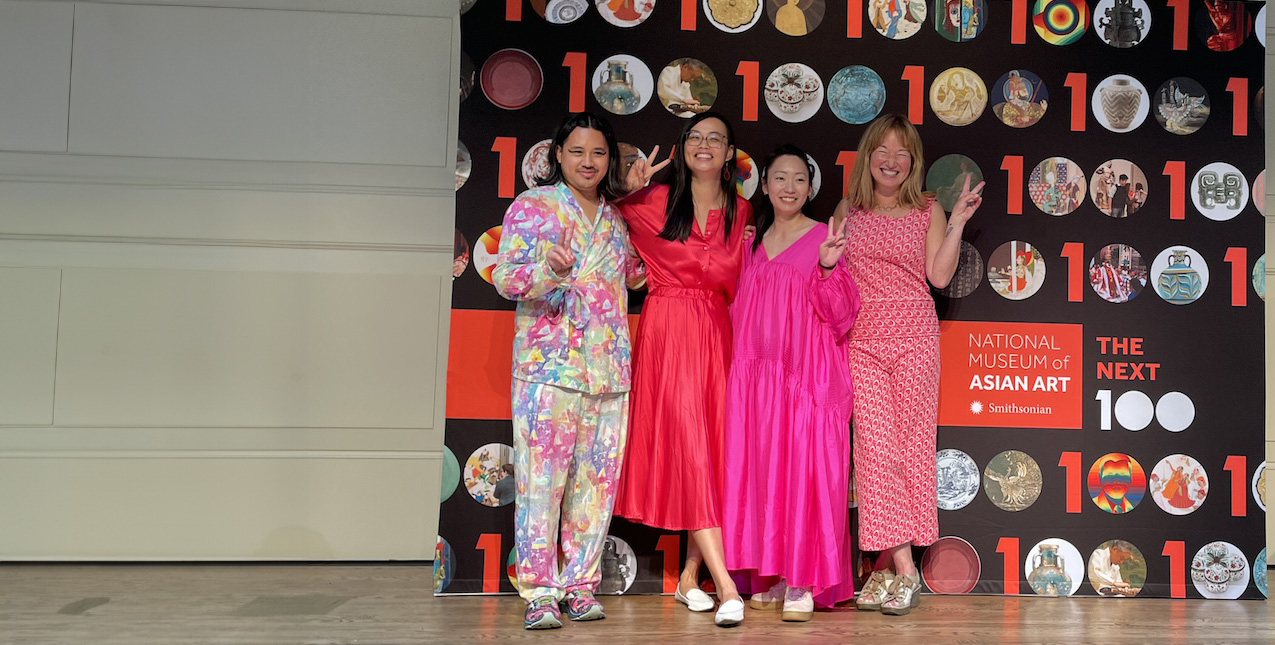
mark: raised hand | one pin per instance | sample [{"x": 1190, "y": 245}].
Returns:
[
  {"x": 561, "y": 258},
  {"x": 968, "y": 201},
  {"x": 641, "y": 171},
  {"x": 834, "y": 246}
]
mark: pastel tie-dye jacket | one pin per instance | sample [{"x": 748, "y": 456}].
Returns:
[{"x": 570, "y": 331}]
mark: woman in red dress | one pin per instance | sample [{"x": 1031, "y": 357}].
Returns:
[{"x": 690, "y": 234}]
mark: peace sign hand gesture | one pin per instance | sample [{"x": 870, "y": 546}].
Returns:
[
  {"x": 968, "y": 201},
  {"x": 833, "y": 246},
  {"x": 641, "y": 172},
  {"x": 561, "y": 258}
]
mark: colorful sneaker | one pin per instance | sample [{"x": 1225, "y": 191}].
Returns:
[
  {"x": 769, "y": 599},
  {"x": 799, "y": 605},
  {"x": 874, "y": 592},
  {"x": 902, "y": 596},
  {"x": 581, "y": 605},
  {"x": 542, "y": 613}
]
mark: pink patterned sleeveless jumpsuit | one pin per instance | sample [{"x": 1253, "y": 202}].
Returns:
[{"x": 894, "y": 360}]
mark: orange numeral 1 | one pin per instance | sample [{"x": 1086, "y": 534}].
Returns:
[
  {"x": 1013, "y": 164},
  {"x": 1018, "y": 23},
  {"x": 1238, "y": 258},
  {"x": 1071, "y": 462},
  {"x": 507, "y": 148},
  {"x": 845, "y": 159},
  {"x": 1075, "y": 254},
  {"x": 575, "y": 61},
  {"x": 1238, "y": 87},
  {"x": 489, "y": 544},
  {"x": 748, "y": 70},
  {"x": 513, "y": 10},
  {"x": 690, "y": 10},
  {"x": 1009, "y": 547},
  {"x": 1181, "y": 14},
  {"x": 1176, "y": 172},
  {"x": 1078, "y": 82},
  {"x": 854, "y": 18},
  {"x": 671, "y": 547},
  {"x": 915, "y": 76},
  {"x": 1237, "y": 465},
  {"x": 1175, "y": 551}
]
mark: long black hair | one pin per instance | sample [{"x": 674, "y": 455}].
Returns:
[
  {"x": 764, "y": 213},
  {"x": 680, "y": 210},
  {"x": 612, "y": 184}
]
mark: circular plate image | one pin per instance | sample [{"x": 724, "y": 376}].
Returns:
[
  {"x": 1012, "y": 480},
  {"x": 1016, "y": 270},
  {"x": 464, "y": 164},
  {"x": 1222, "y": 25},
  {"x": 686, "y": 87},
  {"x": 1179, "y": 484},
  {"x": 959, "y": 20},
  {"x": 468, "y": 76},
  {"x": 622, "y": 84},
  {"x": 733, "y": 16},
  {"x": 1057, "y": 185},
  {"x": 1259, "y": 277},
  {"x": 511, "y": 567},
  {"x": 1019, "y": 98},
  {"x": 629, "y": 154},
  {"x": 1118, "y": 188},
  {"x": 1259, "y": 192},
  {"x": 958, "y": 480},
  {"x": 560, "y": 12},
  {"x": 1259, "y": 563},
  {"x": 1117, "y": 569},
  {"x": 1219, "y": 191},
  {"x": 795, "y": 17},
  {"x": 946, "y": 178},
  {"x": 511, "y": 79},
  {"x": 619, "y": 567},
  {"x": 451, "y": 474},
  {"x": 1120, "y": 103},
  {"x": 444, "y": 564},
  {"x": 816, "y": 180},
  {"x": 1122, "y": 24},
  {"x": 1134, "y": 410},
  {"x": 1117, "y": 273},
  {"x": 486, "y": 251},
  {"x": 1117, "y": 483},
  {"x": 793, "y": 92},
  {"x": 958, "y": 96},
  {"x": 1220, "y": 570},
  {"x": 1060, "y": 22},
  {"x": 1175, "y": 411},
  {"x": 1259, "y": 28},
  {"x": 969, "y": 273},
  {"x": 897, "y": 19},
  {"x": 1054, "y": 568},
  {"x": 625, "y": 13},
  {"x": 950, "y": 566},
  {"x": 746, "y": 175},
  {"x": 1259, "y": 485},
  {"x": 535, "y": 163},
  {"x": 1180, "y": 274},
  {"x": 489, "y": 475},
  {"x": 856, "y": 94},
  {"x": 460, "y": 260},
  {"x": 1182, "y": 105},
  {"x": 466, "y": 5}
]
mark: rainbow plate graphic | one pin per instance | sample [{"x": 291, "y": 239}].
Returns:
[{"x": 1060, "y": 22}]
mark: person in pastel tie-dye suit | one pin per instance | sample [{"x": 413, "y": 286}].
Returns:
[{"x": 565, "y": 257}]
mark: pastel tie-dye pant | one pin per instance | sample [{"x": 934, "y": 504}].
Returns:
[{"x": 568, "y": 448}]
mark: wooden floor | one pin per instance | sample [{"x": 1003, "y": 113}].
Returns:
[{"x": 261, "y": 605}]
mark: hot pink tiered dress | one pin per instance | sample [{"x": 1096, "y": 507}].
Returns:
[{"x": 789, "y": 398}]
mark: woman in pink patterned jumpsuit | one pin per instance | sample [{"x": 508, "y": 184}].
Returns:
[{"x": 899, "y": 238}]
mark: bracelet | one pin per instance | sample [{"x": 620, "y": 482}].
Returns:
[{"x": 821, "y": 266}]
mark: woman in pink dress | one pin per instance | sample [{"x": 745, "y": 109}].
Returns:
[
  {"x": 788, "y": 402},
  {"x": 898, "y": 239}
]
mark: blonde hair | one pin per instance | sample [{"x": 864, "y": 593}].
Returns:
[{"x": 859, "y": 189}]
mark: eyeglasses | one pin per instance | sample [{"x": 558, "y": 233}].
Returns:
[{"x": 713, "y": 139}]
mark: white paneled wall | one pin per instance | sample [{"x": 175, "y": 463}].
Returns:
[{"x": 225, "y": 277}]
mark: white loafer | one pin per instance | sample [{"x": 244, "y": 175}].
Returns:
[
  {"x": 731, "y": 613},
  {"x": 695, "y": 599}
]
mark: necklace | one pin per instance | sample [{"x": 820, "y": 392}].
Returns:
[{"x": 885, "y": 208}]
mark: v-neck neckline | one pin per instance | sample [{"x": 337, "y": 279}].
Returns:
[{"x": 766, "y": 252}]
